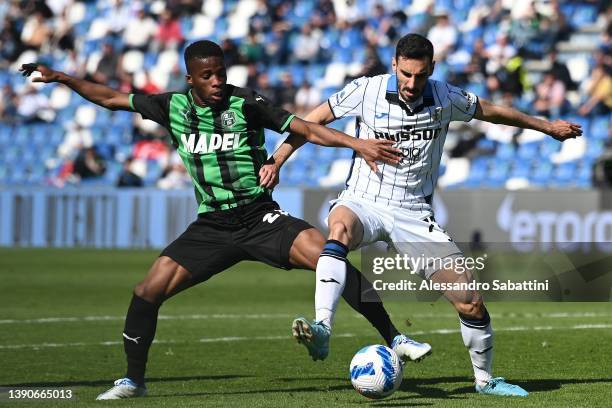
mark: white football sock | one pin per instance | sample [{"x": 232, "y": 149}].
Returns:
[
  {"x": 331, "y": 278},
  {"x": 478, "y": 338}
]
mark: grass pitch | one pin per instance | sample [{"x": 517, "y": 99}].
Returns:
[{"x": 227, "y": 342}]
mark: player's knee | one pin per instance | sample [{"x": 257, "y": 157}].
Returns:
[
  {"x": 147, "y": 291},
  {"x": 471, "y": 310},
  {"x": 339, "y": 231},
  {"x": 156, "y": 286}
]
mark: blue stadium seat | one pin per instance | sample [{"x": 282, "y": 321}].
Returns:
[
  {"x": 548, "y": 147},
  {"x": 583, "y": 14},
  {"x": 542, "y": 173},
  {"x": 505, "y": 151},
  {"x": 521, "y": 169},
  {"x": 498, "y": 175},
  {"x": 528, "y": 151},
  {"x": 595, "y": 148},
  {"x": 478, "y": 172},
  {"x": 154, "y": 171},
  {"x": 6, "y": 134},
  {"x": 600, "y": 127},
  {"x": 564, "y": 173}
]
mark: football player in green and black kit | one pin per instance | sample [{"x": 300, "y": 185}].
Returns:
[{"x": 218, "y": 130}]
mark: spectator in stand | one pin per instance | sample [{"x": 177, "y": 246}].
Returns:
[
  {"x": 36, "y": 32},
  {"x": 128, "y": 178},
  {"x": 550, "y": 96},
  {"x": 443, "y": 34},
  {"x": 10, "y": 43},
  {"x": 286, "y": 91},
  {"x": 372, "y": 65},
  {"x": 499, "y": 53},
  {"x": 560, "y": 71},
  {"x": 8, "y": 104},
  {"x": 108, "y": 67},
  {"x": 76, "y": 138},
  {"x": 89, "y": 164},
  {"x": 252, "y": 74},
  {"x": 169, "y": 33},
  {"x": 265, "y": 88},
  {"x": 599, "y": 88},
  {"x": 73, "y": 63},
  {"x": 149, "y": 87},
  {"x": 139, "y": 31},
  {"x": 34, "y": 106},
  {"x": 251, "y": 48},
  {"x": 306, "y": 48},
  {"x": 381, "y": 28},
  {"x": 175, "y": 175},
  {"x": 176, "y": 79},
  {"x": 118, "y": 16},
  {"x": 261, "y": 22},
  {"x": 476, "y": 69},
  {"x": 63, "y": 35},
  {"x": 306, "y": 99},
  {"x": 230, "y": 52},
  {"x": 126, "y": 83},
  {"x": 277, "y": 45}
]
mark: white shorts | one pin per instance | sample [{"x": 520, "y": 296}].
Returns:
[{"x": 409, "y": 231}]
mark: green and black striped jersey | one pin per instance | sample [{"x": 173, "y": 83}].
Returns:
[{"x": 222, "y": 147}]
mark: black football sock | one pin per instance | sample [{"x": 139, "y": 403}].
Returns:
[
  {"x": 373, "y": 309},
  {"x": 138, "y": 334}
]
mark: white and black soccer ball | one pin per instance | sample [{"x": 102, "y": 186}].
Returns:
[{"x": 376, "y": 371}]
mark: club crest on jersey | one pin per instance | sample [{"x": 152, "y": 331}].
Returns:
[{"x": 228, "y": 119}]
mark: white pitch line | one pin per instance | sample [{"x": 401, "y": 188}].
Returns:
[
  {"x": 160, "y": 317},
  {"x": 261, "y": 316},
  {"x": 267, "y": 338}
]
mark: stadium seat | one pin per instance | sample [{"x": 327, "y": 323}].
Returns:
[
  {"x": 600, "y": 127},
  {"x": 528, "y": 151}
]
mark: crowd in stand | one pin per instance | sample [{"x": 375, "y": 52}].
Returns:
[{"x": 283, "y": 52}]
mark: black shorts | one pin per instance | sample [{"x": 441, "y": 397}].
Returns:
[{"x": 259, "y": 231}]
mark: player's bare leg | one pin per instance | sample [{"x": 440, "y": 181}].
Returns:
[
  {"x": 165, "y": 279},
  {"x": 477, "y": 333}
]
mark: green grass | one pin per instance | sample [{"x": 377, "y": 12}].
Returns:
[{"x": 559, "y": 364}]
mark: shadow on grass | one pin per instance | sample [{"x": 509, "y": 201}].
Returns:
[
  {"x": 269, "y": 391},
  {"x": 110, "y": 381},
  {"x": 425, "y": 387}
]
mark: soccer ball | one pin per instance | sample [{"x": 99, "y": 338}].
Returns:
[{"x": 376, "y": 371}]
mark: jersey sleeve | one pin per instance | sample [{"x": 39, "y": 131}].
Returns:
[
  {"x": 261, "y": 112},
  {"x": 347, "y": 102},
  {"x": 153, "y": 107},
  {"x": 464, "y": 103}
]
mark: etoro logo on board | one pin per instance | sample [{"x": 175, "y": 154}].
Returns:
[{"x": 548, "y": 228}]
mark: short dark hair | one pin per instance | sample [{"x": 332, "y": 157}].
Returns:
[
  {"x": 414, "y": 46},
  {"x": 202, "y": 49}
]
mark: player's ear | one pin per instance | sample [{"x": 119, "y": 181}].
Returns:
[
  {"x": 188, "y": 79},
  {"x": 394, "y": 65},
  {"x": 431, "y": 69}
]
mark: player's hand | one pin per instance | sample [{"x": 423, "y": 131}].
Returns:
[
  {"x": 268, "y": 174},
  {"x": 373, "y": 150},
  {"x": 47, "y": 74},
  {"x": 562, "y": 130}
]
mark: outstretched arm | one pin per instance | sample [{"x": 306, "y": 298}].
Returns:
[
  {"x": 322, "y": 115},
  {"x": 310, "y": 130},
  {"x": 559, "y": 129},
  {"x": 99, "y": 94}
]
